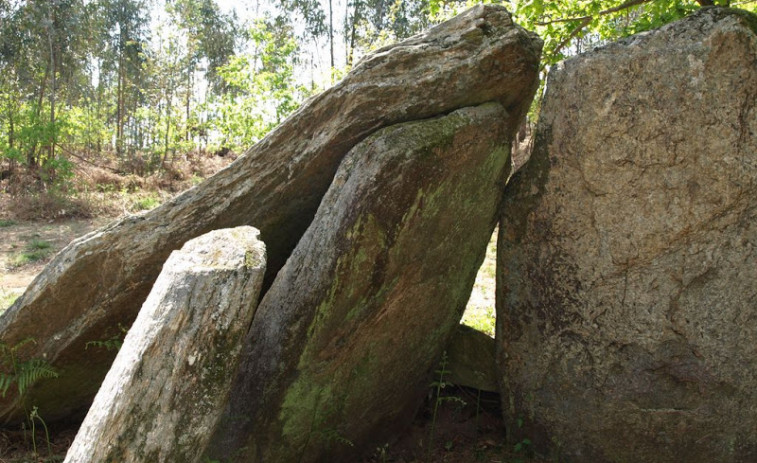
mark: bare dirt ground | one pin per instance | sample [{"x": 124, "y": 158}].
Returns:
[{"x": 19, "y": 238}]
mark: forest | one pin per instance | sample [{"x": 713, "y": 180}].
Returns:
[{"x": 135, "y": 85}]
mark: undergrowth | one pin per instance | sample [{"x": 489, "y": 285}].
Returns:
[{"x": 36, "y": 250}]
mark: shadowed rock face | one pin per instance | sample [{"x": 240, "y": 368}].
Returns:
[
  {"x": 167, "y": 388},
  {"x": 627, "y": 314},
  {"x": 343, "y": 342},
  {"x": 101, "y": 280}
]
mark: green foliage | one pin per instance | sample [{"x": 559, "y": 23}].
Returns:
[
  {"x": 93, "y": 80},
  {"x": 38, "y": 244},
  {"x": 437, "y": 386},
  {"x": 481, "y": 320},
  {"x": 4, "y": 223},
  {"x": 261, "y": 86},
  {"x": 112, "y": 343},
  {"x": 23, "y": 373},
  {"x": 524, "y": 448},
  {"x": 146, "y": 203}
]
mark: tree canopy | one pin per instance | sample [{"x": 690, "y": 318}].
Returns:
[{"x": 144, "y": 81}]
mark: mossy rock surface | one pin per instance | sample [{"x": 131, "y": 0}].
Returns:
[{"x": 345, "y": 341}]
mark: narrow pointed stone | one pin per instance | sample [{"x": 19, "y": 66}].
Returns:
[{"x": 168, "y": 386}]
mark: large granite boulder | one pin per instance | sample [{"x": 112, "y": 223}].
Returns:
[
  {"x": 99, "y": 281},
  {"x": 168, "y": 386},
  {"x": 343, "y": 344},
  {"x": 627, "y": 295}
]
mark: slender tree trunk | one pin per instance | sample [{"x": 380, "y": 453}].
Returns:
[
  {"x": 119, "y": 106},
  {"x": 52, "y": 86},
  {"x": 331, "y": 38},
  {"x": 187, "y": 134},
  {"x": 11, "y": 134},
  {"x": 31, "y": 154},
  {"x": 353, "y": 32},
  {"x": 346, "y": 28},
  {"x": 168, "y": 128}
]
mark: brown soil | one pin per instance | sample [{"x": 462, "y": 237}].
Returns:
[
  {"x": 15, "y": 239},
  {"x": 468, "y": 428}
]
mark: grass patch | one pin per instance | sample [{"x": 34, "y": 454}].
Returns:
[
  {"x": 36, "y": 250},
  {"x": 7, "y": 223},
  {"x": 38, "y": 245},
  {"x": 482, "y": 320},
  {"x": 146, "y": 203}
]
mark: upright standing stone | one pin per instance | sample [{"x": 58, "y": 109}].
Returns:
[
  {"x": 341, "y": 349},
  {"x": 169, "y": 384},
  {"x": 101, "y": 280},
  {"x": 627, "y": 286}
]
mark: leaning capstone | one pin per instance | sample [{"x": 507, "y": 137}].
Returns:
[
  {"x": 101, "y": 280},
  {"x": 627, "y": 267},
  {"x": 342, "y": 346},
  {"x": 168, "y": 386}
]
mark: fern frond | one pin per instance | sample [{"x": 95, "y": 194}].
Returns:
[
  {"x": 22, "y": 343},
  {"x": 5, "y": 383},
  {"x": 31, "y": 371}
]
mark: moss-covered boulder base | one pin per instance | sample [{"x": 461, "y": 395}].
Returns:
[
  {"x": 343, "y": 344},
  {"x": 101, "y": 280},
  {"x": 165, "y": 393},
  {"x": 627, "y": 287}
]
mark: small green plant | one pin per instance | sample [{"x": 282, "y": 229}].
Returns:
[
  {"x": 33, "y": 417},
  {"x": 523, "y": 448},
  {"x": 36, "y": 250},
  {"x": 23, "y": 374},
  {"x": 6, "y": 223},
  {"x": 38, "y": 245},
  {"x": 146, "y": 203},
  {"x": 437, "y": 387},
  {"x": 112, "y": 343}
]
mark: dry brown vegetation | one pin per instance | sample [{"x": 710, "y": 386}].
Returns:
[{"x": 101, "y": 189}]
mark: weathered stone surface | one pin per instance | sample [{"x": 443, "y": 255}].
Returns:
[
  {"x": 343, "y": 343},
  {"x": 102, "y": 279},
  {"x": 169, "y": 384},
  {"x": 470, "y": 360},
  {"x": 627, "y": 313}
]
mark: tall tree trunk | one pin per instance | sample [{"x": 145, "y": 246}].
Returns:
[
  {"x": 51, "y": 148},
  {"x": 168, "y": 127},
  {"x": 31, "y": 154},
  {"x": 187, "y": 134},
  {"x": 120, "y": 105},
  {"x": 353, "y": 32},
  {"x": 331, "y": 38}
]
